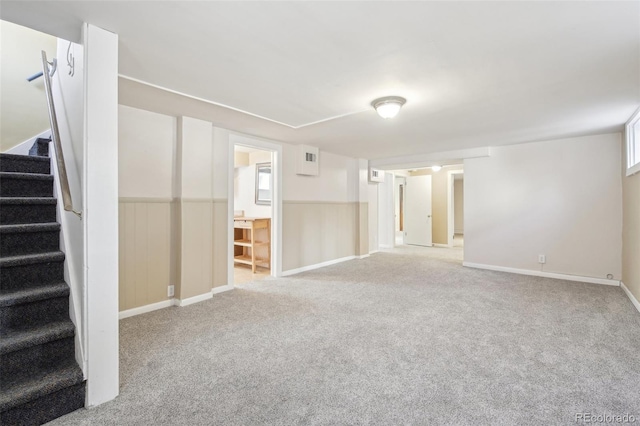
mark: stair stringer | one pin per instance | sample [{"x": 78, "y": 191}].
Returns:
[{"x": 72, "y": 244}]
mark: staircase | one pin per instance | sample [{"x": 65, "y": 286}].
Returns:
[{"x": 39, "y": 377}]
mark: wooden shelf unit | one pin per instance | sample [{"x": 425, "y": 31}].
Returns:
[{"x": 245, "y": 243}]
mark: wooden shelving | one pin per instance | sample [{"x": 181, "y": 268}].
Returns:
[{"x": 245, "y": 243}]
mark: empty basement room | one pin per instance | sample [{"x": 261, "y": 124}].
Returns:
[{"x": 342, "y": 167}]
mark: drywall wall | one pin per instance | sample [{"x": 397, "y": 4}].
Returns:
[
  {"x": 23, "y": 104},
  {"x": 631, "y": 230},
  {"x": 336, "y": 182},
  {"x": 244, "y": 196},
  {"x": 439, "y": 201},
  {"x": 458, "y": 206},
  {"x": 146, "y": 145},
  {"x": 373, "y": 217},
  {"x": 560, "y": 198}
]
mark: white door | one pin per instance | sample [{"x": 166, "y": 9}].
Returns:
[{"x": 417, "y": 214}]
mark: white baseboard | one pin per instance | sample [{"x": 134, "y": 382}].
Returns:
[
  {"x": 221, "y": 289},
  {"x": 364, "y": 256},
  {"x": 147, "y": 308},
  {"x": 194, "y": 299},
  {"x": 543, "y": 274},
  {"x": 442, "y": 245},
  {"x": 630, "y": 296},
  {"x": 373, "y": 252},
  {"x": 316, "y": 266}
]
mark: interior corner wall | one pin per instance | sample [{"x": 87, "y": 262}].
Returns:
[
  {"x": 631, "y": 230},
  {"x": 560, "y": 198}
]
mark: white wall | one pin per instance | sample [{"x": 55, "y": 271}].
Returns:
[
  {"x": 386, "y": 211},
  {"x": 373, "y": 217},
  {"x": 458, "y": 206},
  {"x": 336, "y": 182},
  {"x": 23, "y": 104},
  {"x": 244, "y": 196},
  {"x": 147, "y": 142},
  {"x": 560, "y": 198}
]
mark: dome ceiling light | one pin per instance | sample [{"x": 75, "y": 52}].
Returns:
[{"x": 389, "y": 106}]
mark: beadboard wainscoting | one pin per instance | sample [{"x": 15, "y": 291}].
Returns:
[
  {"x": 318, "y": 232},
  {"x": 145, "y": 251},
  {"x": 220, "y": 244},
  {"x": 196, "y": 247}
]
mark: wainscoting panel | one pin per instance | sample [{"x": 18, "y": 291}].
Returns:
[
  {"x": 220, "y": 243},
  {"x": 317, "y": 232},
  {"x": 197, "y": 248},
  {"x": 145, "y": 246}
]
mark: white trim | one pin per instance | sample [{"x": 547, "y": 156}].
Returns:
[
  {"x": 221, "y": 289},
  {"x": 277, "y": 163},
  {"x": 442, "y": 245},
  {"x": 590, "y": 280},
  {"x": 631, "y": 297},
  {"x": 147, "y": 308},
  {"x": 194, "y": 299},
  {"x": 300, "y": 126},
  {"x": 364, "y": 256},
  {"x": 373, "y": 252},
  {"x": 316, "y": 266},
  {"x": 632, "y": 142}
]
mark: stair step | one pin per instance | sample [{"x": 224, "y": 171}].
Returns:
[
  {"x": 34, "y": 294},
  {"x": 16, "y": 392},
  {"x": 21, "y": 339},
  {"x": 46, "y": 408},
  {"x": 25, "y": 185},
  {"x": 32, "y": 314},
  {"x": 29, "y": 238},
  {"x": 24, "y": 363},
  {"x": 31, "y": 270},
  {"x": 25, "y": 164},
  {"x": 20, "y": 210},
  {"x": 40, "y": 147}
]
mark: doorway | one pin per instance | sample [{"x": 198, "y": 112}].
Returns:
[
  {"x": 254, "y": 210},
  {"x": 417, "y": 216},
  {"x": 455, "y": 198}
]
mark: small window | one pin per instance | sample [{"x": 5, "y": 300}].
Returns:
[{"x": 632, "y": 131}]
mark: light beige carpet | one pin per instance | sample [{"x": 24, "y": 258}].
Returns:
[{"x": 402, "y": 337}]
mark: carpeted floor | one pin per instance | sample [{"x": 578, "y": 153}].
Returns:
[{"x": 403, "y": 337}]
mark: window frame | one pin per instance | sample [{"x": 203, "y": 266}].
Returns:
[{"x": 633, "y": 144}]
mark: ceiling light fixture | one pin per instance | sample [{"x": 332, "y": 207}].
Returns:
[
  {"x": 436, "y": 168},
  {"x": 389, "y": 106}
]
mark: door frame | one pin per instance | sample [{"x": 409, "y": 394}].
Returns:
[
  {"x": 276, "y": 200},
  {"x": 450, "y": 205}
]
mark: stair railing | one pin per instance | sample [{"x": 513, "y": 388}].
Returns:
[{"x": 55, "y": 136}]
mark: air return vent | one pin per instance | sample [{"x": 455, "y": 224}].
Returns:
[
  {"x": 376, "y": 176},
  {"x": 308, "y": 159}
]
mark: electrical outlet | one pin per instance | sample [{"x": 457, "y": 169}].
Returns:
[
  {"x": 542, "y": 258},
  {"x": 170, "y": 291}
]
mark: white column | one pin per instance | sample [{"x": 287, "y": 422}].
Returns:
[{"x": 101, "y": 212}]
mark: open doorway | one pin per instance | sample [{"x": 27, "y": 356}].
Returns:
[
  {"x": 456, "y": 208},
  {"x": 254, "y": 209}
]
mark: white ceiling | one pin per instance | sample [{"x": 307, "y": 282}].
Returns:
[{"x": 474, "y": 73}]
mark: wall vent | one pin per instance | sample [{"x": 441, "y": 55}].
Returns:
[{"x": 308, "y": 161}]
